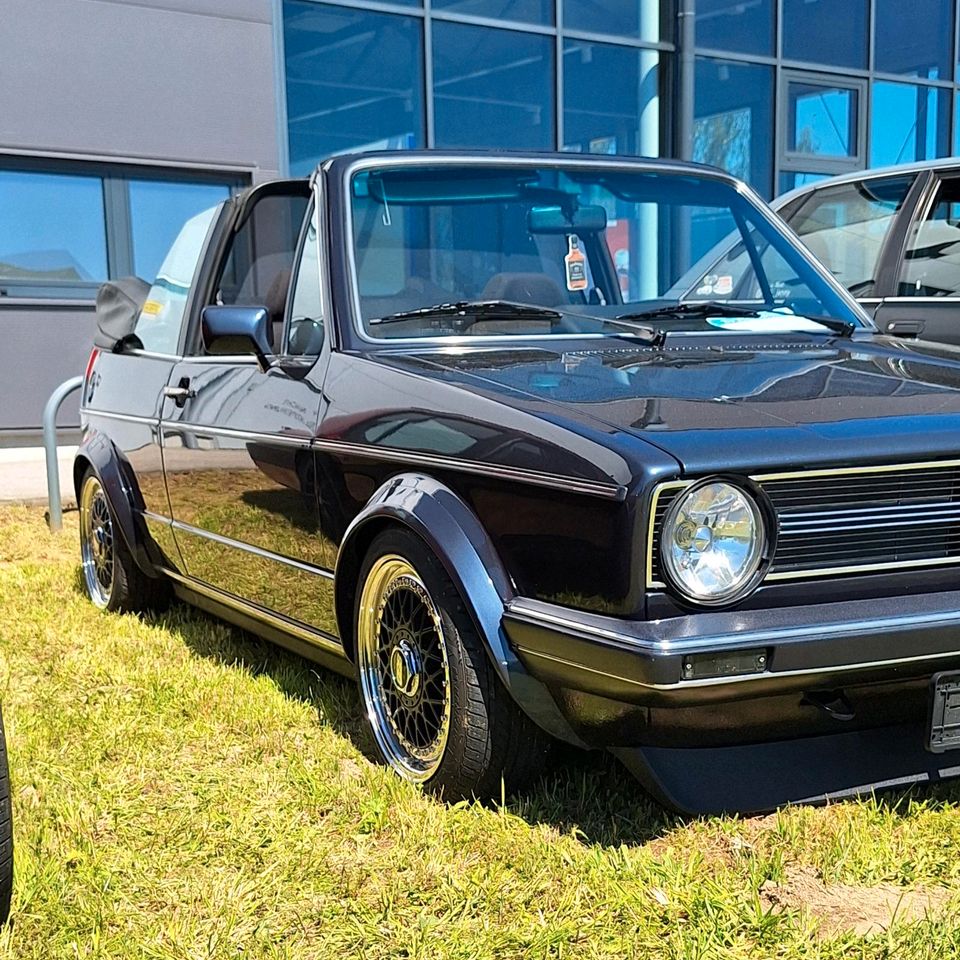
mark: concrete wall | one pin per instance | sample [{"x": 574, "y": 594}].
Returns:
[{"x": 172, "y": 82}]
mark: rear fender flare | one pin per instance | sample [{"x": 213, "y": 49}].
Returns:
[
  {"x": 454, "y": 533},
  {"x": 99, "y": 454}
]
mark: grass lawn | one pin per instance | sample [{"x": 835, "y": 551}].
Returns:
[{"x": 182, "y": 790}]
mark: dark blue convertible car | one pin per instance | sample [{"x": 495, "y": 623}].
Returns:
[{"x": 544, "y": 448}]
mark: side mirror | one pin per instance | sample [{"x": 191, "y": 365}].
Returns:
[{"x": 236, "y": 330}]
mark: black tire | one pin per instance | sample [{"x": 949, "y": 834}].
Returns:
[
  {"x": 111, "y": 578},
  {"x": 6, "y": 831},
  {"x": 490, "y": 744}
]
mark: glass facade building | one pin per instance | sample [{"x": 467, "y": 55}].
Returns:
[{"x": 781, "y": 92}]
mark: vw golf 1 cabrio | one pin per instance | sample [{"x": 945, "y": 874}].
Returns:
[{"x": 505, "y": 438}]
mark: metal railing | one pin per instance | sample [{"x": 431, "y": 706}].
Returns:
[{"x": 55, "y": 513}]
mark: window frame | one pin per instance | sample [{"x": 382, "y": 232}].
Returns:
[
  {"x": 117, "y": 219},
  {"x": 924, "y": 205},
  {"x": 794, "y": 161},
  {"x": 890, "y": 255}
]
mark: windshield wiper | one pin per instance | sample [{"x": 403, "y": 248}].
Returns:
[
  {"x": 843, "y": 327},
  {"x": 464, "y": 313},
  {"x": 472, "y": 311},
  {"x": 696, "y": 308},
  {"x": 714, "y": 308}
]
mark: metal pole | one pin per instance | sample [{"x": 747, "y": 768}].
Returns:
[
  {"x": 55, "y": 515},
  {"x": 686, "y": 41}
]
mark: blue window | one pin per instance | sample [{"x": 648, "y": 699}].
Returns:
[
  {"x": 826, "y": 31},
  {"x": 737, "y": 27},
  {"x": 733, "y": 120},
  {"x": 915, "y": 38},
  {"x": 611, "y": 99},
  {"x": 67, "y": 227},
  {"x": 52, "y": 230},
  {"x": 822, "y": 119},
  {"x": 523, "y": 11},
  {"x": 354, "y": 81},
  {"x": 492, "y": 88},
  {"x": 910, "y": 122},
  {"x": 643, "y": 19},
  {"x": 158, "y": 209}
]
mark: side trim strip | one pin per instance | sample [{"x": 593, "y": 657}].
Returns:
[
  {"x": 209, "y": 429},
  {"x": 594, "y": 488},
  {"x": 127, "y": 417},
  {"x": 251, "y": 548},
  {"x": 301, "y": 632}
]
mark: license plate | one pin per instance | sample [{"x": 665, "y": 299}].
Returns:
[{"x": 944, "y": 727}]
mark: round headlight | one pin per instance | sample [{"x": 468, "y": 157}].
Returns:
[{"x": 712, "y": 542}]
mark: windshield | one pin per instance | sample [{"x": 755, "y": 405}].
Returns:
[{"x": 592, "y": 244}]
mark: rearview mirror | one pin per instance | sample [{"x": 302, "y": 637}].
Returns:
[
  {"x": 587, "y": 219},
  {"x": 237, "y": 330}
]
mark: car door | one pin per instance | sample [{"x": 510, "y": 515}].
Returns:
[
  {"x": 924, "y": 300},
  {"x": 122, "y": 392},
  {"x": 855, "y": 229},
  {"x": 237, "y": 441}
]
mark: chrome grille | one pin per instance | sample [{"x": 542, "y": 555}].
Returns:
[{"x": 853, "y": 520}]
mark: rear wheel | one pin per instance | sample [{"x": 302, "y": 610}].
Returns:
[
  {"x": 111, "y": 578},
  {"x": 438, "y": 712}
]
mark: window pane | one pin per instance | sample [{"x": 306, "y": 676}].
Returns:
[
  {"x": 736, "y": 26},
  {"x": 915, "y": 38},
  {"x": 909, "y": 123},
  {"x": 492, "y": 88},
  {"x": 354, "y": 80},
  {"x": 157, "y": 210},
  {"x": 845, "y": 227},
  {"x": 530, "y": 11},
  {"x": 822, "y": 120},
  {"x": 826, "y": 31},
  {"x": 158, "y": 326},
  {"x": 611, "y": 99},
  {"x": 305, "y": 335},
  {"x": 515, "y": 231},
  {"x": 644, "y": 19},
  {"x": 931, "y": 267},
  {"x": 51, "y": 228},
  {"x": 734, "y": 117},
  {"x": 257, "y": 268}
]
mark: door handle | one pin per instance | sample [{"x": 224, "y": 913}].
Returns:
[
  {"x": 181, "y": 393},
  {"x": 905, "y": 328}
]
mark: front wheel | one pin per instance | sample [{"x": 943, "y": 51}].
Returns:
[{"x": 438, "y": 712}]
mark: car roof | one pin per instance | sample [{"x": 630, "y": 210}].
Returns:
[{"x": 858, "y": 176}]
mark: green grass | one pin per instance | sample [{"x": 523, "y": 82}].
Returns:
[{"x": 182, "y": 790}]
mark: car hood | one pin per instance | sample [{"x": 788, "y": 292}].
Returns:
[{"x": 725, "y": 402}]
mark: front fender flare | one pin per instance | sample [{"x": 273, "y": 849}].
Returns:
[
  {"x": 98, "y": 453},
  {"x": 454, "y": 533}
]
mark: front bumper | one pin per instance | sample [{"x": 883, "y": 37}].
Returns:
[
  {"x": 805, "y": 647},
  {"x": 752, "y": 741}
]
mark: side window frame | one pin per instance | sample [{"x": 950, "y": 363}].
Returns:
[
  {"x": 313, "y": 212},
  {"x": 887, "y": 263},
  {"x": 236, "y": 212},
  {"x": 923, "y": 206}
]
